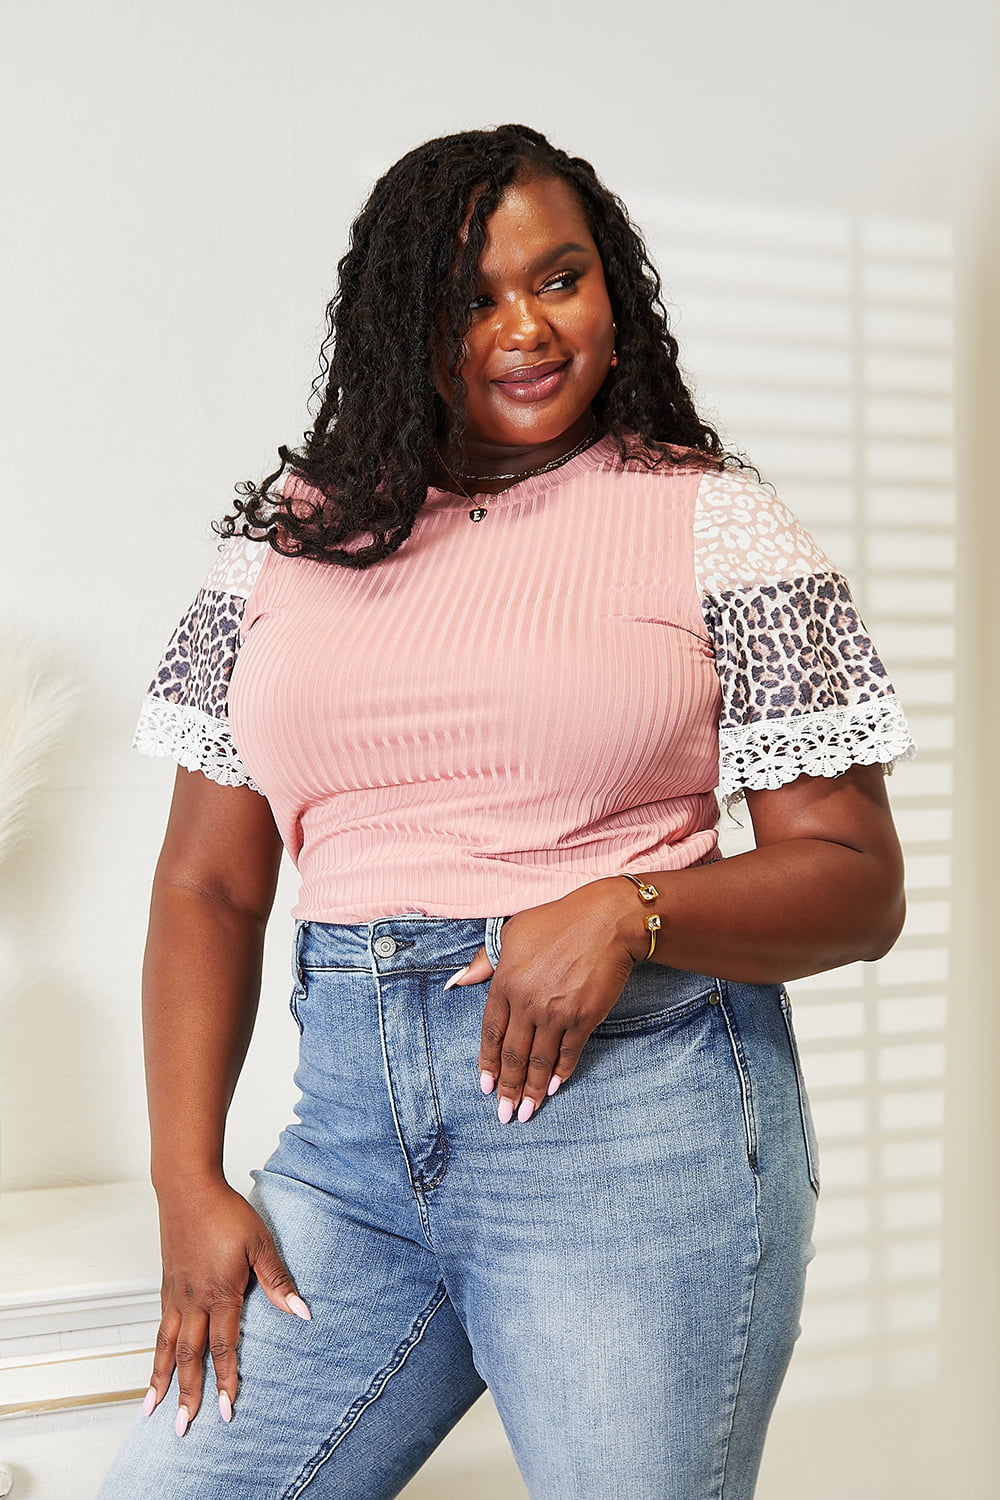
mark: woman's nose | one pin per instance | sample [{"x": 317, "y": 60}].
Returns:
[{"x": 523, "y": 326}]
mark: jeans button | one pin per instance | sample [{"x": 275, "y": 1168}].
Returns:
[{"x": 385, "y": 947}]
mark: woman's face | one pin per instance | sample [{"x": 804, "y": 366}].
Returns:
[{"x": 541, "y": 335}]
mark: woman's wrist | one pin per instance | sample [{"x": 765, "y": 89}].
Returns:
[
  {"x": 627, "y": 914},
  {"x": 185, "y": 1179}
]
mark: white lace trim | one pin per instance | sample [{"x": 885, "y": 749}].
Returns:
[
  {"x": 772, "y": 752},
  {"x": 194, "y": 739}
]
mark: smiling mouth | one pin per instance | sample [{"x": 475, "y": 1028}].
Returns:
[
  {"x": 533, "y": 382},
  {"x": 529, "y": 373}
]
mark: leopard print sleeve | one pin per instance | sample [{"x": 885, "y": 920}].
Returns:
[
  {"x": 185, "y": 713},
  {"x": 803, "y": 689}
]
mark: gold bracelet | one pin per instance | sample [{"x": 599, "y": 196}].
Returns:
[{"x": 646, "y": 891}]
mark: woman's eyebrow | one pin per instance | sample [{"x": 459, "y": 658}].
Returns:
[{"x": 556, "y": 253}]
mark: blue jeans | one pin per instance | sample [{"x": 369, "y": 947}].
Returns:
[{"x": 624, "y": 1271}]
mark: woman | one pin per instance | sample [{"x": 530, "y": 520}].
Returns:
[{"x": 518, "y": 618}]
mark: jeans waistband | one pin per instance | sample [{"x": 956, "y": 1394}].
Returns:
[
  {"x": 412, "y": 944},
  {"x": 408, "y": 943}
]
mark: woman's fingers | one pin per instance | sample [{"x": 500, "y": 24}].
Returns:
[
  {"x": 181, "y": 1343},
  {"x": 211, "y": 1255},
  {"x": 515, "y": 1054},
  {"x": 529, "y": 1057},
  {"x": 570, "y": 1048},
  {"x": 189, "y": 1352},
  {"x": 276, "y": 1283},
  {"x": 477, "y": 971},
  {"x": 223, "y": 1338},
  {"x": 534, "y": 1072},
  {"x": 496, "y": 1015},
  {"x": 275, "y": 1278},
  {"x": 562, "y": 969},
  {"x": 525, "y": 1055},
  {"x": 550, "y": 1062},
  {"x": 163, "y": 1360}
]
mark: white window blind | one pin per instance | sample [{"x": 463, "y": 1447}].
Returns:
[{"x": 822, "y": 346}]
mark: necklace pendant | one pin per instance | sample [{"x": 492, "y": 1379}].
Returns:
[{"x": 479, "y": 514}]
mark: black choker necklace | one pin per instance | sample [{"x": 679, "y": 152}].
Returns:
[{"x": 480, "y": 512}]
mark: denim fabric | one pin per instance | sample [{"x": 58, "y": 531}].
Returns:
[{"x": 624, "y": 1271}]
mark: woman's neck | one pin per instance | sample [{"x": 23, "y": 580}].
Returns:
[{"x": 478, "y": 468}]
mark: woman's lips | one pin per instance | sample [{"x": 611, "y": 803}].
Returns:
[{"x": 533, "y": 382}]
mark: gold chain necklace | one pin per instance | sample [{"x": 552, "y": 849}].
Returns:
[{"x": 480, "y": 512}]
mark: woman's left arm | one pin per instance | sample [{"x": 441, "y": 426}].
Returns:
[{"x": 823, "y": 887}]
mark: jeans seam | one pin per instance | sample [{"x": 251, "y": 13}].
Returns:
[
  {"x": 377, "y": 1385},
  {"x": 746, "y": 1088},
  {"x": 812, "y": 1163},
  {"x": 658, "y": 1021},
  {"x": 720, "y": 1494},
  {"x": 299, "y": 988},
  {"x": 391, "y": 1093},
  {"x": 367, "y": 969},
  {"x": 442, "y": 1140}
]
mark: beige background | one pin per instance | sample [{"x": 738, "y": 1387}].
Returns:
[{"x": 177, "y": 196}]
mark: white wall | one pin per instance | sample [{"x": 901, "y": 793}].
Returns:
[{"x": 176, "y": 201}]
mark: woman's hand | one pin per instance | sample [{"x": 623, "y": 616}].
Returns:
[
  {"x": 823, "y": 887},
  {"x": 212, "y": 1242},
  {"x": 201, "y": 978},
  {"x": 562, "y": 968}
]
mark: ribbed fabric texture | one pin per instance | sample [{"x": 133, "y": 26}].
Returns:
[{"x": 496, "y": 714}]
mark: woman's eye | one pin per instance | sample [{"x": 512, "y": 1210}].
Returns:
[
  {"x": 479, "y": 302},
  {"x": 562, "y": 282}
]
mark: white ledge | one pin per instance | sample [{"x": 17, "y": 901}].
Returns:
[{"x": 79, "y": 1306}]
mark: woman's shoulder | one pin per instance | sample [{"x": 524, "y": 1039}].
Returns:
[
  {"x": 630, "y": 452},
  {"x": 237, "y": 566},
  {"x": 745, "y": 535},
  {"x": 241, "y": 558},
  {"x": 725, "y": 492}
]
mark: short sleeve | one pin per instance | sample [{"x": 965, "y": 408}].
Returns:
[
  {"x": 185, "y": 712},
  {"x": 804, "y": 691}
]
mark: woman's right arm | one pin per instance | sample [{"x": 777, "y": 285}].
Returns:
[{"x": 212, "y": 895}]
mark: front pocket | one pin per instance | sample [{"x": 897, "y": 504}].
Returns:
[
  {"x": 297, "y": 996},
  {"x": 655, "y": 997},
  {"x": 741, "y": 1066},
  {"x": 808, "y": 1129},
  {"x": 298, "y": 975},
  {"x": 491, "y": 939}
]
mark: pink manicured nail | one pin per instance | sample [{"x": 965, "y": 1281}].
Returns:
[
  {"x": 149, "y": 1404},
  {"x": 505, "y": 1111},
  {"x": 183, "y": 1420},
  {"x": 225, "y": 1407},
  {"x": 459, "y": 974},
  {"x": 527, "y": 1110},
  {"x": 298, "y": 1307},
  {"x": 554, "y": 1083},
  {"x": 487, "y": 1082}
]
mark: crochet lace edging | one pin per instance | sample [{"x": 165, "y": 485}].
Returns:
[
  {"x": 194, "y": 739},
  {"x": 772, "y": 752}
]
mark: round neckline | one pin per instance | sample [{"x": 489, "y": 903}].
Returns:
[{"x": 526, "y": 489}]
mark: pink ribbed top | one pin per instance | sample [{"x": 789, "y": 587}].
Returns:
[{"x": 500, "y": 711}]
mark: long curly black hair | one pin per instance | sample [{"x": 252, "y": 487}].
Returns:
[{"x": 406, "y": 276}]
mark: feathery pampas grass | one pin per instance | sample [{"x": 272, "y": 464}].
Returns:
[{"x": 35, "y": 705}]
